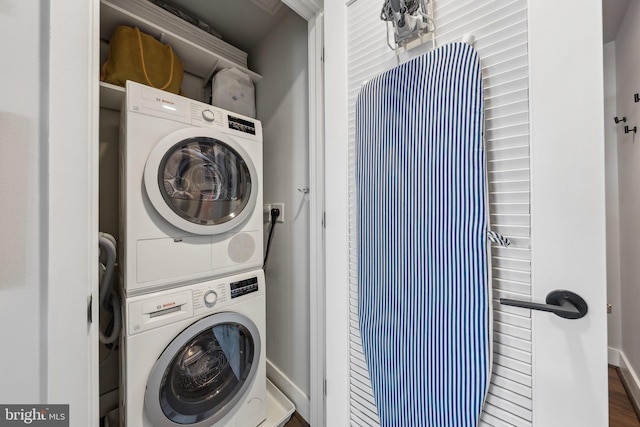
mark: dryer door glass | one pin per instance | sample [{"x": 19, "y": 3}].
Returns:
[
  {"x": 208, "y": 374},
  {"x": 204, "y": 181}
]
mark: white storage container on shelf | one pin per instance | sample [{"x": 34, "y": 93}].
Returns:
[{"x": 233, "y": 90}]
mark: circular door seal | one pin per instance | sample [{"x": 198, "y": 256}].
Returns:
[
  {"x": 201, "y": 181},
  {"x": 204, "y": 373}
]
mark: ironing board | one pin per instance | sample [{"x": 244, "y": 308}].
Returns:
[{"x": 424, "y": 292}]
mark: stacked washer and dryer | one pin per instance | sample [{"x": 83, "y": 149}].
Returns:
[{"x": 191, "y": 258}]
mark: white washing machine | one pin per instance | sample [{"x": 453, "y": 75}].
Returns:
[
  {"x": 191, "y": 193},
  {"x": 195, "y": 356}
]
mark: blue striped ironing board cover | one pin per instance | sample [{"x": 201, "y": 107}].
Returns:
[{"x": 424, "y": 292}]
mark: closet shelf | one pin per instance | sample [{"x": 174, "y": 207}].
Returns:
[
  {"x": 188, "y": 45},
  {"x": 111, "y": 96}
]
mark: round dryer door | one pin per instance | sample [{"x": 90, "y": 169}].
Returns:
[
  {"x": 201, "y": 184},
  {"x": 205, "y": 371}
]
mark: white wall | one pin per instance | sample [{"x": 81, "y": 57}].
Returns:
[
  {"x": 628, "y": 83},
  {"x": 22, "y": 171},
  {"x": 282, "y": 106},
  {"x": 613, "y": 215}
]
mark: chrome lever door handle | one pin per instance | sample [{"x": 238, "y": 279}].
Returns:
[{"x": 566, "y": 304}]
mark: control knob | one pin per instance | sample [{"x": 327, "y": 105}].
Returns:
[
  {"x": 210, "y": 298},
  {"x": 208, "y": 115}
]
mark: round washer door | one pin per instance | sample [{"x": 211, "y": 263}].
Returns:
[
  {"x": 205, "y": 371},
  {"x": 201, "y": 181}
]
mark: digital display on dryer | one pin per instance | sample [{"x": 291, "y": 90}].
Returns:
[
  {"x": 244, "y": 287},
  {"x": 242, "y": 125}
]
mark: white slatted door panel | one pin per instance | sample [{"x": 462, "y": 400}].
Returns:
[
  {"x": 500, "y": 28},
  {"x": 368, "y": 55}
]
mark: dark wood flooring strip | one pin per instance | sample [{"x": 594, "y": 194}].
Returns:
[
  {"x": 296, "y": 421},
  {"x": 628, "y": 391},
  {"x": 621, "y": 411}
]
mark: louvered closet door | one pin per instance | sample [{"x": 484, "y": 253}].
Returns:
[
  {"x": 520, "y": 393},
  {"x": 501, "y": 41}
]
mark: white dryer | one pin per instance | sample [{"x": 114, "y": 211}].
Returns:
[
  {"x": 195, "y": 356},
  {"x": 191, "y": 192}
]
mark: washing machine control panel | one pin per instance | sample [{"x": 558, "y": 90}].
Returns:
[
  {"x": 218, "y": 294},
  {"x": 244, "y": 287}
]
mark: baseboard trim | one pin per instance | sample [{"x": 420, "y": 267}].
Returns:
[
  {"x": 297, "y": 396},
  {"x": 613, "y": 356},
  {"x": 630, "y": 382}
]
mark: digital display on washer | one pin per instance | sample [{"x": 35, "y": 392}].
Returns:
[
  {"x": 242, "y": 125},
  {"x": 244, "y": 287}
]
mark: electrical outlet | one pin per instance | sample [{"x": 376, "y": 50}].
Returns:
[{"x": 281, "y": 207}]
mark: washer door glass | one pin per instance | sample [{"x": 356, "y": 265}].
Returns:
[
  {"x": 208, "y": 374},
  {"x": 204, "y": 181}
]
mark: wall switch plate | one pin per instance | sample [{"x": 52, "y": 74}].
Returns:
[{"x": 281, "y": 207}]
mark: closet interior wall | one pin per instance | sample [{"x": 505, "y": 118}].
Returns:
[
  {"x": 282, "y": 106},
  {"x": 614, "y": 319}
]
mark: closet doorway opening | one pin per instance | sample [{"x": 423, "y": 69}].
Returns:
[{"x": 284, "y": 46}]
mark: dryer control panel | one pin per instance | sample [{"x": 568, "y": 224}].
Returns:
[
  {"x": 158, "y": 103},
  {"x": 209, "y": 116}
]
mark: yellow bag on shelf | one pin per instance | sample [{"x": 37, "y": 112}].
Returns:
[{"x": 137, "y": 56}]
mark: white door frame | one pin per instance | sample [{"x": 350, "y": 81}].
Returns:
[
  {"x": 71, "y": 125},
  {"x": 311, "y": 10},
  {"x": 316, "y": 238},
  {"x": 337, "y": 214},
  {"x": 73, "y": 117}
]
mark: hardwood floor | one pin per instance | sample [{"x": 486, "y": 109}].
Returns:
[
  {"x": 621, "y": 412},
  {"x": 296, "y": 421}
]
